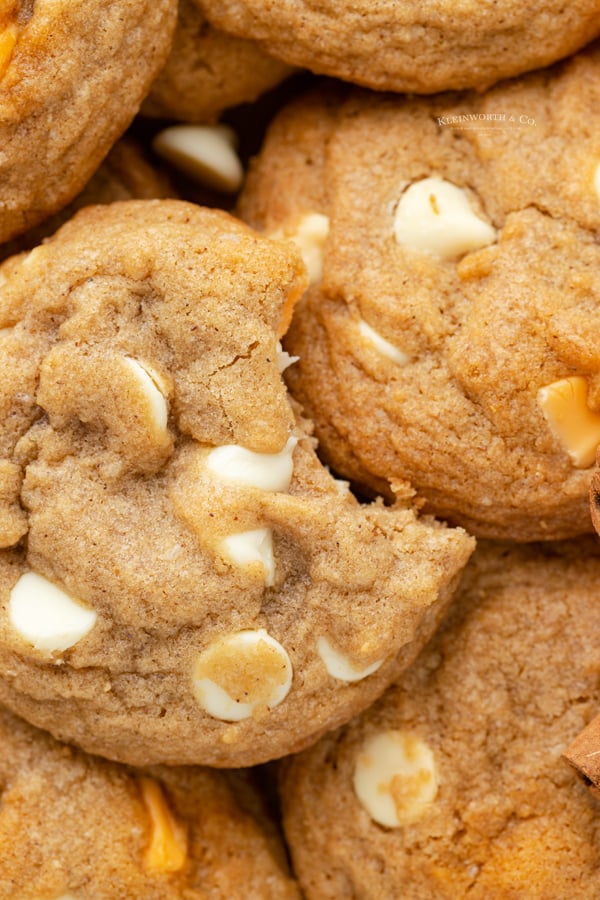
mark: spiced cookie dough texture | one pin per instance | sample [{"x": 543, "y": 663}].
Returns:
[
  {"x": 183, "y": 581},
  {"x": 125, "y": 174},
  {"x": 74, "y": 827},
  {"x": 209, "y": 71},
  {"x": 72, "y": 76},
  {"x": 413, "y": 45},
  {"x": 448, "y": 337},
  {"x": 452, "y": 784}
]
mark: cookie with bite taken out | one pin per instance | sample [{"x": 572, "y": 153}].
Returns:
[{"x": 182, "y": 581}]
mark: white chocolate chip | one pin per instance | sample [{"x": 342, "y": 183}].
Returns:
[
  {"x": 250, "y": 547},
  {"x": 151, "y": 386},
  {"x": 204, "y": 152},
  {"x": 284, "y": 360},
  {"x": 266, "y": 471},
  {"x": 340, "y": 666},
  {"x": 435, "y": 216},
  {"x": 309, "y": 236},
  {"x": 395, "y": 778},
  {"x": 573, "y": 423},
  {"x": 385, "y": 347},
  {"x": 343, "y": 487},
  {"x": 47, "y": 617},
  {"x": 242, "y": 674}
]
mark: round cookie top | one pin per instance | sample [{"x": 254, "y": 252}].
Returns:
[
  {"x": 422, "y": 47},
  {"x": 183, "y": 581},
  {"x": 449, "y": 335},
  {"x": 452, "y": 784},
  {"x": 74, "y": 827},
  {"x": 125, "y": 174},
  {"x": 209, "y": 71},
  {"x": 72, "y": 76}
]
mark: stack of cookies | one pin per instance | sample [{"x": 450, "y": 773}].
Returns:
[{"x": 297, "y": 560}]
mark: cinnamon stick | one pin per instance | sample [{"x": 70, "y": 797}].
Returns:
[{"x": 584, "y": 755}]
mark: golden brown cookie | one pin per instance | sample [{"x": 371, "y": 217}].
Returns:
[
  {"x": 413, "y": 46},
  {"x": 453, "y": 785},
  {"x": 77, "y": 827},
  {"x": 209, "y": 71},
  {"x": 72, "y": 77},
  {"x": 125, "y": 174},
  {"x": 185, "y": 581},
  {"x": 449, "y": 335}
]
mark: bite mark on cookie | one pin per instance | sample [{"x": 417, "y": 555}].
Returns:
[
  {"x": 435, "y": 216},
  {"x": 573, "y": 423},
  {"x": 46, "y": 616},
  {"x": 242, "y": 675},
  {"x": 395, "y": 777}
]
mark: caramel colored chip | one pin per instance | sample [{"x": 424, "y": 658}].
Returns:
[
  {"x": 575, "y": 425},
  {"x": 167, "y": 850}
]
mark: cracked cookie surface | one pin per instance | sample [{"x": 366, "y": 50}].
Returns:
[
  {"x": 448, "y": 337},
  {"x": 72, "y": 78},
  {"x": 74, "y": 827},
  {"x": 452, "y": 784},
  {"x": 417, "y": 46},
  {"x": 183, "y": 581}
]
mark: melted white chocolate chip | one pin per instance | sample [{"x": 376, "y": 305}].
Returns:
[
  {"x": 395, "y": 778},
  {"x": 340, "y": 666},
  {"x": 46, "y": 616},
  {"x": 382, "y": 345},
  {"x": 266, "y": 471},
  {"x": 204, "y": 152},
  {"x": 149, "y": 384},
  {"x": 241, "y": 675},
  {"x": 309, "y": 236},
  {"x": 254, "y": 546},
  {"x": 436, "y": 216},
  {"x": 573, "y": 423}
]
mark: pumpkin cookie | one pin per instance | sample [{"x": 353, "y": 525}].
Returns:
[
  {"x": 72, "y": 77},
  {"x": 73, "y": 826},
  {"x": 183, "y": 581},
  {"x": 449, "y": 336},
  {"x": 209, "y": 71},
  {"x": 452, "y": 785},
  {"x": 125, "y": 174},
  {"x": 413, "y": 46}
]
